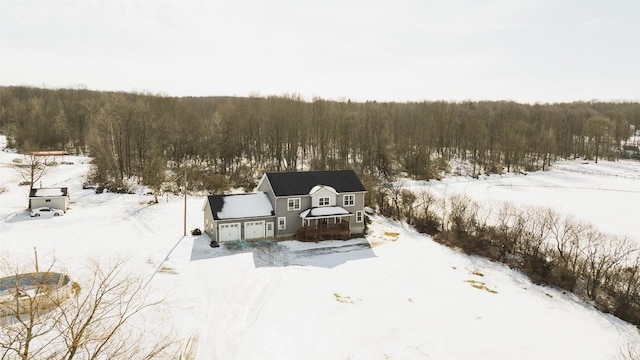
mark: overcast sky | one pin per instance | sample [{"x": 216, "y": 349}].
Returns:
[{"x": 526, "y": 51}]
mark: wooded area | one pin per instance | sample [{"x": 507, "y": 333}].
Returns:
[{"x": 231, "y": 141}]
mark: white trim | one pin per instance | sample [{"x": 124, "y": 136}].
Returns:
[
  {"x": 226, "y": 226},
  {"x": 250, "y": 224},
  {"x": 269, "y": 229},
  {"x": 264, "y": 177},
  {"x": 317, "y": 188},
  {"x": 352, "y": 197},
  {"x": 282, "y": 226},
  {"x": 294, "y": 207}
]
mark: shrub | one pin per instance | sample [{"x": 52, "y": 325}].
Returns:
[
  {"x": 562, "y": 277},
  {"x": 243, "y": 177},
  {"x": 426, "y": 225},
  {"x": 628, "y": 309},
  {"x": 550, "y": 250},
  {"x": 537, "y": 268}
]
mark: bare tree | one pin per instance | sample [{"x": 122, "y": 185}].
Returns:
[
  {"x": 103, "y": 319},
  {"x": 510, "y": 229},
  {"x": 21, "y": 322},
  {"x": 537, "y": 231},
  {"x": 602, "y": 254},
  {"x": 463, "y": 214},
  {"x": 629, "y": 352},
  {"x": 34, "y": 169},
  {"x": 154, "y": 174},
  {"x": 597, "y": 128},
  {"x": 427, "y": 219}
]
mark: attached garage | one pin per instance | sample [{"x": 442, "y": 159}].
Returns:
[
  {"x": 254, "y": 230},
  {"x": 229, "y": 232},
  {"x": 238, "y": 217}
]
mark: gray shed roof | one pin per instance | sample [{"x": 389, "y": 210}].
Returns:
[{"x": 49, "y": 192}]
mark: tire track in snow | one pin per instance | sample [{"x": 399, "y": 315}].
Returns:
[{"x": 233, "y": 323}]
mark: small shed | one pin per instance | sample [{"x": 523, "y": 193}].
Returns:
[{"x": 57, "y": 198}]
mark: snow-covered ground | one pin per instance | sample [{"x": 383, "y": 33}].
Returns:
[
  {"x": 606, "y": 194},
  {"x": 393, "y": 294}
]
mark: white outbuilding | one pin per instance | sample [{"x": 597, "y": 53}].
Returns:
[{"x": 57, "y": 198}]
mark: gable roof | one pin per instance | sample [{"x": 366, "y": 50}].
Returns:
[
  {"x": 49, "y": 192},
  {"x": 238, "y": 206},
  {"x": 302, "y": 182}
]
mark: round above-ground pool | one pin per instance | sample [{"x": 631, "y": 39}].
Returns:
[{"x": 32, "y": 292}]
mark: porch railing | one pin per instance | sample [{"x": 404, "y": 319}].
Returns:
[{"x": 324, "y": 231}]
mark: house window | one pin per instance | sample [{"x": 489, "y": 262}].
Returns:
[
  {"x": 349, "y": 200},
  {"x": 282, "y": 223},
  {"x": 358, "y": 216},
  {"x": 47, "y": 200},
  {"x": 293, "y": 204},
  {"x": 323, "y": 201}
]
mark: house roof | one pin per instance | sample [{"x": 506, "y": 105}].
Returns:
[
  {"x": 49, "y": 192},
  {"x": 237, "y": 206},
  {"x": 301, "y": 183}
]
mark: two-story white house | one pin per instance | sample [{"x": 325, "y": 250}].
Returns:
[{"x": 305, "y": 205}]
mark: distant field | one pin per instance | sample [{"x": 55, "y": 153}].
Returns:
[{"x": 606, "y": 194}]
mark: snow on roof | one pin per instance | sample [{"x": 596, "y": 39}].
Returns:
[
  {"x": 245, "y": 206},
  {"x": 324, "y": 211},
  {"x": 319, "y": 187},
  {"x": 48, "y": 192}
]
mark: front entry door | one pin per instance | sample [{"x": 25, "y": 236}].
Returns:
[{"x": 269, "y": 230}]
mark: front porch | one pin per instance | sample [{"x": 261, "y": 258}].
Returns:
[
  {"x": 324, "y": 223},
  {"x": 323, "y": 230}
]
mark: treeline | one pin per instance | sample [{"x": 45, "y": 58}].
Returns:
[
  {"x": 234, "y": 140},
  {"x": 550, "y": 248},
  {"x": 221, "y": 142}
]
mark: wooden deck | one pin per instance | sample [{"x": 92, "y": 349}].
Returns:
[{"x": 324, "y": 232}]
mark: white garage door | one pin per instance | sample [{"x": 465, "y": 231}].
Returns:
[
  {"x": 254, "y": 230},
  {"x": 228, "y": 232}
]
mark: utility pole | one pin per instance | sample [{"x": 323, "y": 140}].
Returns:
[
  {"x": 186, "y": 183},
  {"x": 35, "y": 254}
]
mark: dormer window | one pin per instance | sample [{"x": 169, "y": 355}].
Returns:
[
  {"x": 322, "y": 195},
  {"x": 324, "y": 201}
]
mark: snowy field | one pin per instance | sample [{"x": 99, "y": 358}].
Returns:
[
  {"x": 393, "y": 294},
  {"x": 606, "y": 194}
]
